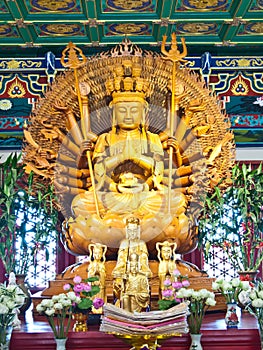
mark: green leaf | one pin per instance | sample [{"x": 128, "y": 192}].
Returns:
[
  {"x": 166, "y": 304},
  {"x": 85, "y": 304}
]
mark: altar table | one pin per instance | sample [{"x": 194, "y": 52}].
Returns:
[{"x": 37, "y": 335}]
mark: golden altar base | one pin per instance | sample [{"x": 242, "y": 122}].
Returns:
[{"x": 146, "y": 341}]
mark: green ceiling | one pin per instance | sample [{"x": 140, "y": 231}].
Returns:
[{"x": 222, "y": 27}]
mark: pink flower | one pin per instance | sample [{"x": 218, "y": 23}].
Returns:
[
  {"x": 177, "y": 285},
  {"x": 77, "y": 279},
  {"x": 176, "y": 272},
  {"x": 167, "y": 282},
  {"x": 86, "y": 287},
  {"x": 167, "y": 293},
  {"x": 66, "y": 287},
  {"x": 178, "y": 300},
  {"x": 98, "y": 302},
  {"x": 185, "y": 283},
  {"x": 78, "y": 288}
]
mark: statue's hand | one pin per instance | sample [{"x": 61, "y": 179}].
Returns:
[
  {"x": 159, "y": 186},
  {"x": 118, "y": 282},
  {"x": 59, "y": 105},
  {"x": 86, "y": 146},
  {"x": 171, "y": 142}
]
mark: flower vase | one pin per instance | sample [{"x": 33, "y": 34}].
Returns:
[
  {"x": 250, "y": 276},
  {"x": 5, "y": 337},
  {"x": 21, "y": 282},
  {"x": 196, "y": 342},
  {"x": 260, "y": 328},
  {"x": 231, "y": 317},
  {"x": 80, "y": 324},
  {"x": 61, "y": 343}
]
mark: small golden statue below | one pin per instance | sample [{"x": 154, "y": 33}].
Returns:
[
  {"x": 167, "y": 262},
  {"x": 96, "y": 268},
  {"x": 132, "y": 244},
  {"x": 136, "y": 294}
]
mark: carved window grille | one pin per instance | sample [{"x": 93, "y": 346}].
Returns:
[
  {"x": 44, "y": 269},
  {"x": 218, "y": 264}
]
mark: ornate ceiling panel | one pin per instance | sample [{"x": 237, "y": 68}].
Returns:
[{"x": 33, "y": 27}]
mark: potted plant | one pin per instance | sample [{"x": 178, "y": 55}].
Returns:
[
  {"x": 231, "y": 291},
  {"x": 254, "y": 304},
  {"x": 198, "y": 302},
  {"x": 232, "y": 219},
  {"x": 86, "y": 290},
  {"x": 58, "y": 311},
  {"x": 27, "y": 217},
  {"x": 11, "y": 299}
]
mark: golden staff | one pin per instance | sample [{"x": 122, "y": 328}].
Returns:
[
  {"x": 74, "y": 62},
  {"x": 175, "y": 56}
]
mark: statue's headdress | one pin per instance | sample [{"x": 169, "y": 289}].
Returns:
[
  {"x": 127, "y": 83},
  {"x": 133, "y": 220},
  {"x": 166, "y": 244}
]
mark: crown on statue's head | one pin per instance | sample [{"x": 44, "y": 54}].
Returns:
[
  {"x": 133, "y": 220},
  {"x": 127, "y": 83}
]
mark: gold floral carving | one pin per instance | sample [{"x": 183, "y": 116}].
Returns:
[
  {"x": 130, "y": 28},
  {"x": 205, "y": 5},
  {"x": 47, "y": 5},
  {"x": 242, "y": 62},
  {"x": 255, "y": 28},
  {"x": 14, "y": 64},
  {"x": 6, "y": 30},
  {"x": 195, "y": 28},
  {"x": 61, "y": 29},
  {"x": 127, "y": 5}
]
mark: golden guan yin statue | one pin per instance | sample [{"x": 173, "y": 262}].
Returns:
[
  {"x": 96, "y": 268},
  {"x": 129, "y": 133},
  {"x": 167, "y": 263}
]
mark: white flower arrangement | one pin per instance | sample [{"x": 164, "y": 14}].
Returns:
[
  {"x": 255, "y": 303},
  {"x": 11, "y": 299},
  {"x": 198, "y": 303},
  {"x": 230, "y": 289},
  {"x": 58, "y": 311}
]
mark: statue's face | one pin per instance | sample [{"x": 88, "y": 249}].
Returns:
[
  {"x": 132, "y": 231},
  {"x": 166, "y": 253},
  {"x": 128, "y": 114},
  {"x": 97, "y": 253},
  {"x": 133, "y": 267}
]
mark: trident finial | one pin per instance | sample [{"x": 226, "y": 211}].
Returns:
[
  {"x": 174, "y": 54},
  {"x": 74, "y": 55}
]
